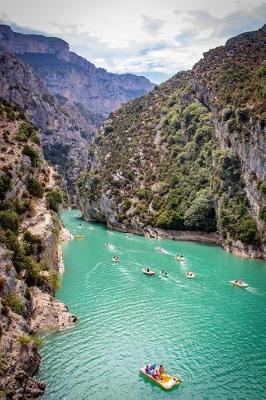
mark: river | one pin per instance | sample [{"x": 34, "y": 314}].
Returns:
[{"x": 208, "y": 332}]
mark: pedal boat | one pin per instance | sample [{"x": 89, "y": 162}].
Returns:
[
  {"x": 239, "y": 283},
  {"x": 149, "y": 273},
  {"x": 180, "y": 258},
  {"x": 167, "y": 381},
  {"x": 79, "y": 237},
  {"x": 116, "y": 259},
  {"x": 190, "y": 275}
]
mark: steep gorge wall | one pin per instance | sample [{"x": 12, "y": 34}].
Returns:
[
  {"x": 190, "y": 156},
  {"x": 64, "y": 132},
  {"x": 73, "y": 77},
  {"x": 29, "y": 254}
]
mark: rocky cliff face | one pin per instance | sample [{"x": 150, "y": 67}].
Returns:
[
  {"x": 29, "y": 254},
  {"x": 64, "y": 131},
  {"x": 71, "y": 76},
  {"x": 189, "y": 156}
]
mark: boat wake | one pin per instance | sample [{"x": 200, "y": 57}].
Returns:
[
  {"x": 251, "y": 290},
  {"x": 164, "y": 251},
  {"x": 96, "y": 267}
]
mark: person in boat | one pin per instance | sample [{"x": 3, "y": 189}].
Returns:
[
  {"x": 148, "y": 269},
  {"x": 156, "y": 374},
  {"x": 161, "y": 370}
]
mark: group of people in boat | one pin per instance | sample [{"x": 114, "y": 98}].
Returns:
[{"x": 156, "y": 372}]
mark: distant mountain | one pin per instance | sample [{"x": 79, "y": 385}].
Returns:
[
  {"x": 189, "y": 156},
  {"x": 64, "y": 73},
  {"x": 64, "y": 131}
]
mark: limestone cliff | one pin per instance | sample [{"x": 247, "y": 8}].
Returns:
[
  {"x": 64, "y": 132},
  {"x": 73, "y": 77},
  {"x": 29, "y": 254},
  {"x": 189, "y": 156}
]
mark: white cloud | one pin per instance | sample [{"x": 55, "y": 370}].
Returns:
[{"x": 152, "y": 38}]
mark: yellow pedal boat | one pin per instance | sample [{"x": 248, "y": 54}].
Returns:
[{"x": 166, "y": 382}]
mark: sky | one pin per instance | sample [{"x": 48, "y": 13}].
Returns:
[{"x": 154, "y": 38}]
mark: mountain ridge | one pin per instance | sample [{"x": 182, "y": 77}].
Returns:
[
  {"x": 190, "y": 155},
  {"x": 72, "y": 76}
]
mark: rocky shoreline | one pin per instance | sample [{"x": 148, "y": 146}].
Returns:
[
  {"x": 19, "y": 346},
  {"x": 235, "y": 247}
]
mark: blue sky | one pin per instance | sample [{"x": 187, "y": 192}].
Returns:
[{"x": 154, "y": 38}]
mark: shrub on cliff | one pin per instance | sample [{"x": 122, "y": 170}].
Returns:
[
  {"x": 247, "y": 231},
  {"x": 54, "y": 199},
  {"x": 26, "y": 131},
  {"x": 32, "y": 244},
  {"x": 201, "y": 213},
  {"x": 53, "y": 280},
  {"x": 32, "y": 154},
  {"x": 5, "y": 184},
  {"x": 14, "y": 302},
  {"x": 28, "y": 340},
  {"x": 35, "y": 188},
  {"x": 169, "y": 219},
  {"x": 263, "y": 214},
  {"x": 9, "y": 220}
]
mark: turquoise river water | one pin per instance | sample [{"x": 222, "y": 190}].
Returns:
[{"x": 205, "y": 330}]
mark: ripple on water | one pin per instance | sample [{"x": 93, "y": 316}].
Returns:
[{"x": 205, "y": 330}]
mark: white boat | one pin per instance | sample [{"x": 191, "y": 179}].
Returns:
[
  {"x": 116, "y": 259},
  {"x": 148, "y": 271},
  {"x": 190, "y": 275},
  {"x": 164, "y": 274},
  {"x": 160, "y": 249},
  {"x": 239, "y": 283},
  {"x": 180, "y": 258}
]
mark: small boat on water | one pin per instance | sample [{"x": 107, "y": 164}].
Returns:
[
  {"x": 148, "y": 271},
  {"x": 107, "y": 244},
  {"x": 165, "y": 380},
  {"x": 180, "y": 258},
  {"x": 239, "y": 283},
  {"x": 79, "y": 237},
  {"x": 116, "y": 259},
  {"x": 159, "y": 249},
  {"x": 164, "y": 274},
  {"x": 190, "y": 275}
]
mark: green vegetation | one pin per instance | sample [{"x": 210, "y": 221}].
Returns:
[
  {"x": 54, "y": 199},
  {"x": 28, "y": 340},
  {"x": 35, "y": 188},
  {"x": 14, "y": 302},
  {"x": 5, "y": 184},
  {"x": 161, "y": 164},
  {"x": 9, "y": 220},
  {"x": 32, "y": 154},
  {"x": 32, "y": 244},
  {"x": 53, "y": 280},
  {"x": 2, "y": 363},
  {"x": 26, "y": 131}
]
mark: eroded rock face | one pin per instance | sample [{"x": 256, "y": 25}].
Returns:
[
  {"x": 48, "y": 313},
  {"x": 64, "y": 131},
  {"x": 194, "y": 147},
  {"x": 30, "y": 255},
  {"x": 73, "y": 77}
]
